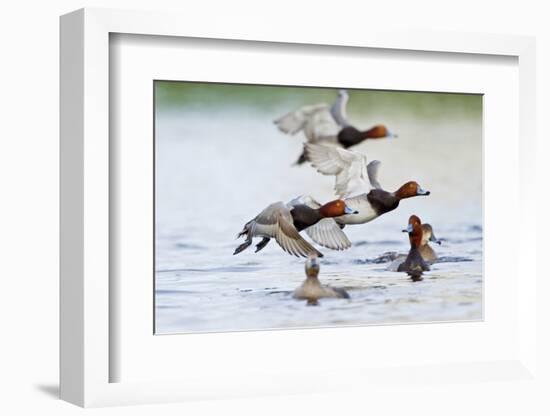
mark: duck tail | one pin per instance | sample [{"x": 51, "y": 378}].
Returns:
[
  {"x": 302, "y": 159},
  {"x": 245, "y": 230}
]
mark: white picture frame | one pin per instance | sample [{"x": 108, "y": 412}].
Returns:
[{"x": 86, "y": 356}]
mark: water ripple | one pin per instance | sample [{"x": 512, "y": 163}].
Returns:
[{"x": 226, "y": 269}]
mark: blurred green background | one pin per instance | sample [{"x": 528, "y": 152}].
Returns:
[{"x": 198, "y": 95}]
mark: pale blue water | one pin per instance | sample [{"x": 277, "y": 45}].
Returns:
[{"x": 217, "y": 169}]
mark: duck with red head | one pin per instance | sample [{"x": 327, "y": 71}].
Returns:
[
  {"x": 410, "y": 189},
  {"x": 326, "y": 124},
  {"x": 414, "y": 265},
  {"x": 356, "y": 182},
  {"x": 425, "y": 249},
  {"x": 283, "y": 222},
  {"x": 377, "y": 202},
  {"x": 350, "y": 136}
]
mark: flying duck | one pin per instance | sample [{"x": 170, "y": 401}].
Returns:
[
  {"x": 326, "y": 124},
  {"x": 356, "y": 182},
  {"x": 283, "y": 222}
]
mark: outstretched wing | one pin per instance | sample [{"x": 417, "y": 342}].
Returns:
[
  {"x": 327, "y": 233},
  {"x": 321, "y": 127},
  {"x": 276, "y": 222},
  {"x": 372, "y": 171},
  {"x": 293, "y": 122},
  {"x": 292, "y": 242},
  {"x": 338, "y": 109},
  {"x": 304, "y": 200},
  {"x": 349, "y": 168}
]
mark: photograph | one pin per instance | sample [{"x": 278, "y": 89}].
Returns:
[{"x": 293, "y": 207}]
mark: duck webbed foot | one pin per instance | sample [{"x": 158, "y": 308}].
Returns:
[
  {"x": 262, "y": 244},
  {"x": 242, "y": 247}
]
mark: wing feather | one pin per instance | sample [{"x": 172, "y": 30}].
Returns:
[
  {"x": 291, "y": 241},
  {"x": 372, "y": 171},
  {"x": 293, "y": 122},
  {"x": 304, "y": 200},
  {"x": 327, "y": 233},
  {"x": 275, "y": 221},
  {"x": 338, "y": 109},
  {"x": 321, "y": 127},
  {"x": 349, "y": 168}
]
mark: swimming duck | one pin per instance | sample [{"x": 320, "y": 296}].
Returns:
[
  {"x": 414, "y": 265},
  {"x": 322, "y": 123},
  {"x": 285, "y": 221},
  {"x": 425, "y": 250},
  {"x": 312, "y": 290},
  {"x": 357, "y": 184}
]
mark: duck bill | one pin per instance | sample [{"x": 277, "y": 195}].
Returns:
[
  {"x": 392, "y": 135},
  {"x": 435, "y": 240},
  {"x": 409, "y": 229},
  {"x": 420, "y": 191},
  {"x": 348, "y": 210}
]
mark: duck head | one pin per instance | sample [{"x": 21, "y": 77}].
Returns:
[
  {"x": 428, "y": 235},
  {"x": 312, "y": 267},
  {"x": 409, "y": 190},
  {"x": 414, "y": 228},
  {"x": 336, "y": 208},
  {"x": 379, "y": 131}
]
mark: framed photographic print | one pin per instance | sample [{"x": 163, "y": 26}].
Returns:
[
  {"x": 241, "y": 216},
  {"x": 221, "y": 164}
]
